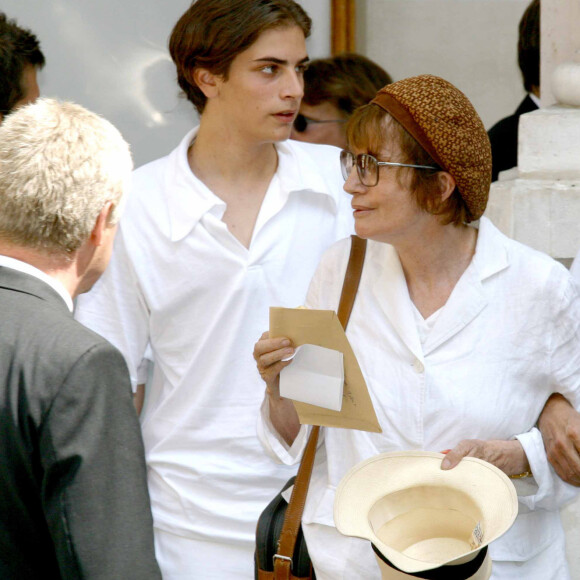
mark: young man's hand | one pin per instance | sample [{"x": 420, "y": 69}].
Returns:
[{"x": 560, "y": 427}]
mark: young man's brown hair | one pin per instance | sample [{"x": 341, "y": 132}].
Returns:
[{"x": 212, "y": 33}]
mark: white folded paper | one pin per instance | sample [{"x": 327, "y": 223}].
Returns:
[{"x": 316, "y": 376}]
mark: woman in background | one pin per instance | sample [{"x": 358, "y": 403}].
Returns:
[{"x": 333, "y": 89}]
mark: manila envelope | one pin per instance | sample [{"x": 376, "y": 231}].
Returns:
[{"x": 322, "y": 327}]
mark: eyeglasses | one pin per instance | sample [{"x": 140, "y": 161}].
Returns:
[
  {"x": 367, "y": 167},
  {"x": 301, "y": 122}
]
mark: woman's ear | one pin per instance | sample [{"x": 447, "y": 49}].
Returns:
[
  {"x": 446, "y": 184},
  {"x": 206, "y": 81}
]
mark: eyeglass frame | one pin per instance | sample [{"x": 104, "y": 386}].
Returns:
[
  {"x": 308, "y": 120},
  {"x": 344, "y": 153}
]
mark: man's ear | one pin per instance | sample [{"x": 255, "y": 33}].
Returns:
[
  {"x": 206, "y": 81},
  {"x": 446, "y": 184},
  {"x": 101, "y": 224}
]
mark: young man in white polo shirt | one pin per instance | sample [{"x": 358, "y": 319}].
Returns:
[{"x": 233, "y": 221}]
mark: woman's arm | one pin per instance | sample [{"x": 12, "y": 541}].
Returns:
[
  {"x": 509, "y": 456},
  {"x": 268, "y": 354},
  {"x": 522, "y": 456}
]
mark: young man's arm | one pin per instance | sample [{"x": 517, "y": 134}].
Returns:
[{"x": 560, "y": 427}]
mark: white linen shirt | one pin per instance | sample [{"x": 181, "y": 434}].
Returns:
[
  {"x": 185, "y": 290},
  {"x": 508, "y": 336}
]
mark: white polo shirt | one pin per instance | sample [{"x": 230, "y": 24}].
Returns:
[{"x": 182, "y": 285}]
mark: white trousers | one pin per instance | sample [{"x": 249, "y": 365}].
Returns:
[{"x": 185, "y": 558}]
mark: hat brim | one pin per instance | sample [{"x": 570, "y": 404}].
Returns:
[
  {"x": 379, "y": 497},
  {"x": 479, "y": 568}
]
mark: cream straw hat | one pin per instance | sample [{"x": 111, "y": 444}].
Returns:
[{"x": 420, "y": 517}]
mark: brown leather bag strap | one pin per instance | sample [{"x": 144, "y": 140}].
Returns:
[
  {"x": 352, "y": 277},
  {"x": 293, "y": 517}
]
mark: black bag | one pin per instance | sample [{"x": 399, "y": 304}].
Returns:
[{"x": 267, "y": 534}]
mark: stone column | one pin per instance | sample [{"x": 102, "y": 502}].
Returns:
[
  {"x": 560, "y": 40},
  {"x": 540, "y": 205}
]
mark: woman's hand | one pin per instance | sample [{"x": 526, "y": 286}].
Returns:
[
  {"x": 268, "y": 354},
  {"x": 509, "y": 456}
]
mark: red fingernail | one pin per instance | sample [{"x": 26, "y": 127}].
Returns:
[{"x": 446, "y": 451}]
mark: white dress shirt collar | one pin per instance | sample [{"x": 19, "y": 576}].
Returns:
[
  {"x": 535, "y": 99},
  {"x": 26, "y": 268}
]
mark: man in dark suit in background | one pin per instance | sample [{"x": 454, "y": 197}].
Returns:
[
  {"x": 73, "y": 495},
  {"x": 504, "y": 134},
  {"x": 20, "y": 59}
]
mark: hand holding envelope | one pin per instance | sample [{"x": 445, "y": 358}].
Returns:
[{"x": 322, "y": 328}]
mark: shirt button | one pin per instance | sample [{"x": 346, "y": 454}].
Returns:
[{"x": 418, "y": 366}]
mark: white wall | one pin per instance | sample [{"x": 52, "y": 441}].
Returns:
[
  {"x": 471, "y": 43},
  {"x": 111, "y": 56}
]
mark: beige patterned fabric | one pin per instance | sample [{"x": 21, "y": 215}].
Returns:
[{"x": 441, "y": 118}]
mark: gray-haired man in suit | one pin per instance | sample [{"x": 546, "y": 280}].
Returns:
[{"x": 73, "y": 495}]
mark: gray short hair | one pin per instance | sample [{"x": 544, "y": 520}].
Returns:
[{"x": 59, "y": 165}]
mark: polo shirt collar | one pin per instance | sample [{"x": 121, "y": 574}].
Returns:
[
  {"x": 298, "y": 170},
  {"x": 189, "y": 199}
]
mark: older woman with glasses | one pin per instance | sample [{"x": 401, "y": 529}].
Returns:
[{"x": 461, "y": 333}]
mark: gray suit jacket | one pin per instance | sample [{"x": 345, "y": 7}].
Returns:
[{"x": 73, "y": 493}]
